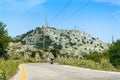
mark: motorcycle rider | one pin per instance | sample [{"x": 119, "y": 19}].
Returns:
[{"x": 51, "y": 60}]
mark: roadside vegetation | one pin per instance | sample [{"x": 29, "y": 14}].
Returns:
[
  {"x": 8, "y": 68},
  {"x": 108, "y": 60},
  {"x": 102, "y": 64}
]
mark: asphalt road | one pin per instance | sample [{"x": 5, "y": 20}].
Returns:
[{"x": 46, "y": 71}]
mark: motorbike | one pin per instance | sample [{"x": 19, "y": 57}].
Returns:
[{"x": 51, "y": 62}]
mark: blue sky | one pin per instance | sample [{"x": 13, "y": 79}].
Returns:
[{"x": 100, "y": 18}]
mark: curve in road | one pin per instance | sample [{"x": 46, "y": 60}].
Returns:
[{"x": 46, "y": 71}]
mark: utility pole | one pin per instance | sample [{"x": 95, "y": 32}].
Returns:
[
  {"x": 74, "y": 27},
  {"x": 112, "y": 39}
]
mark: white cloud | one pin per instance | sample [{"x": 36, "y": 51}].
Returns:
[{"x": 20, "y": 4}]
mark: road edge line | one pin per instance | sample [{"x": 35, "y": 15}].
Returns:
[{"x": 23, "y": 73}]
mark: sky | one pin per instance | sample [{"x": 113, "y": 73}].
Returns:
[{"x": 100, "y": 18}]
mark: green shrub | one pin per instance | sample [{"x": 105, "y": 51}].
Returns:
[
  {"x": 89, "y": 64},
  {"x": 15, "y": 56},
  {"x": 95, "y": 56},
  {"x": 70, "y": 61},
  {"x": 106, "y": 65},
  {"x": 29, "y": 60}
]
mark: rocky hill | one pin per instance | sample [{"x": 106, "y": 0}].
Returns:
[{"x": 67, "y": 41}]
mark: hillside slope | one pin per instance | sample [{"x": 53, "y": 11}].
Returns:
[{"x": 67, "y": 41}]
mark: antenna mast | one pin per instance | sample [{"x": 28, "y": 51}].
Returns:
[
  {"x": 46, "y": 21},
  {"x": 46, "y": 25}
]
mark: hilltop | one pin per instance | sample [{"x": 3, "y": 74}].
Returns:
[{"x": 67, "y": 41}]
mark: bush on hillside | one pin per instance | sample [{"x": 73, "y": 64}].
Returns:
[
  {"x": 55, "y": 52},
  {"x": 95, "y": 56}
]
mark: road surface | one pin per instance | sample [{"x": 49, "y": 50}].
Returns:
[{"x": 46, "y": 71}]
